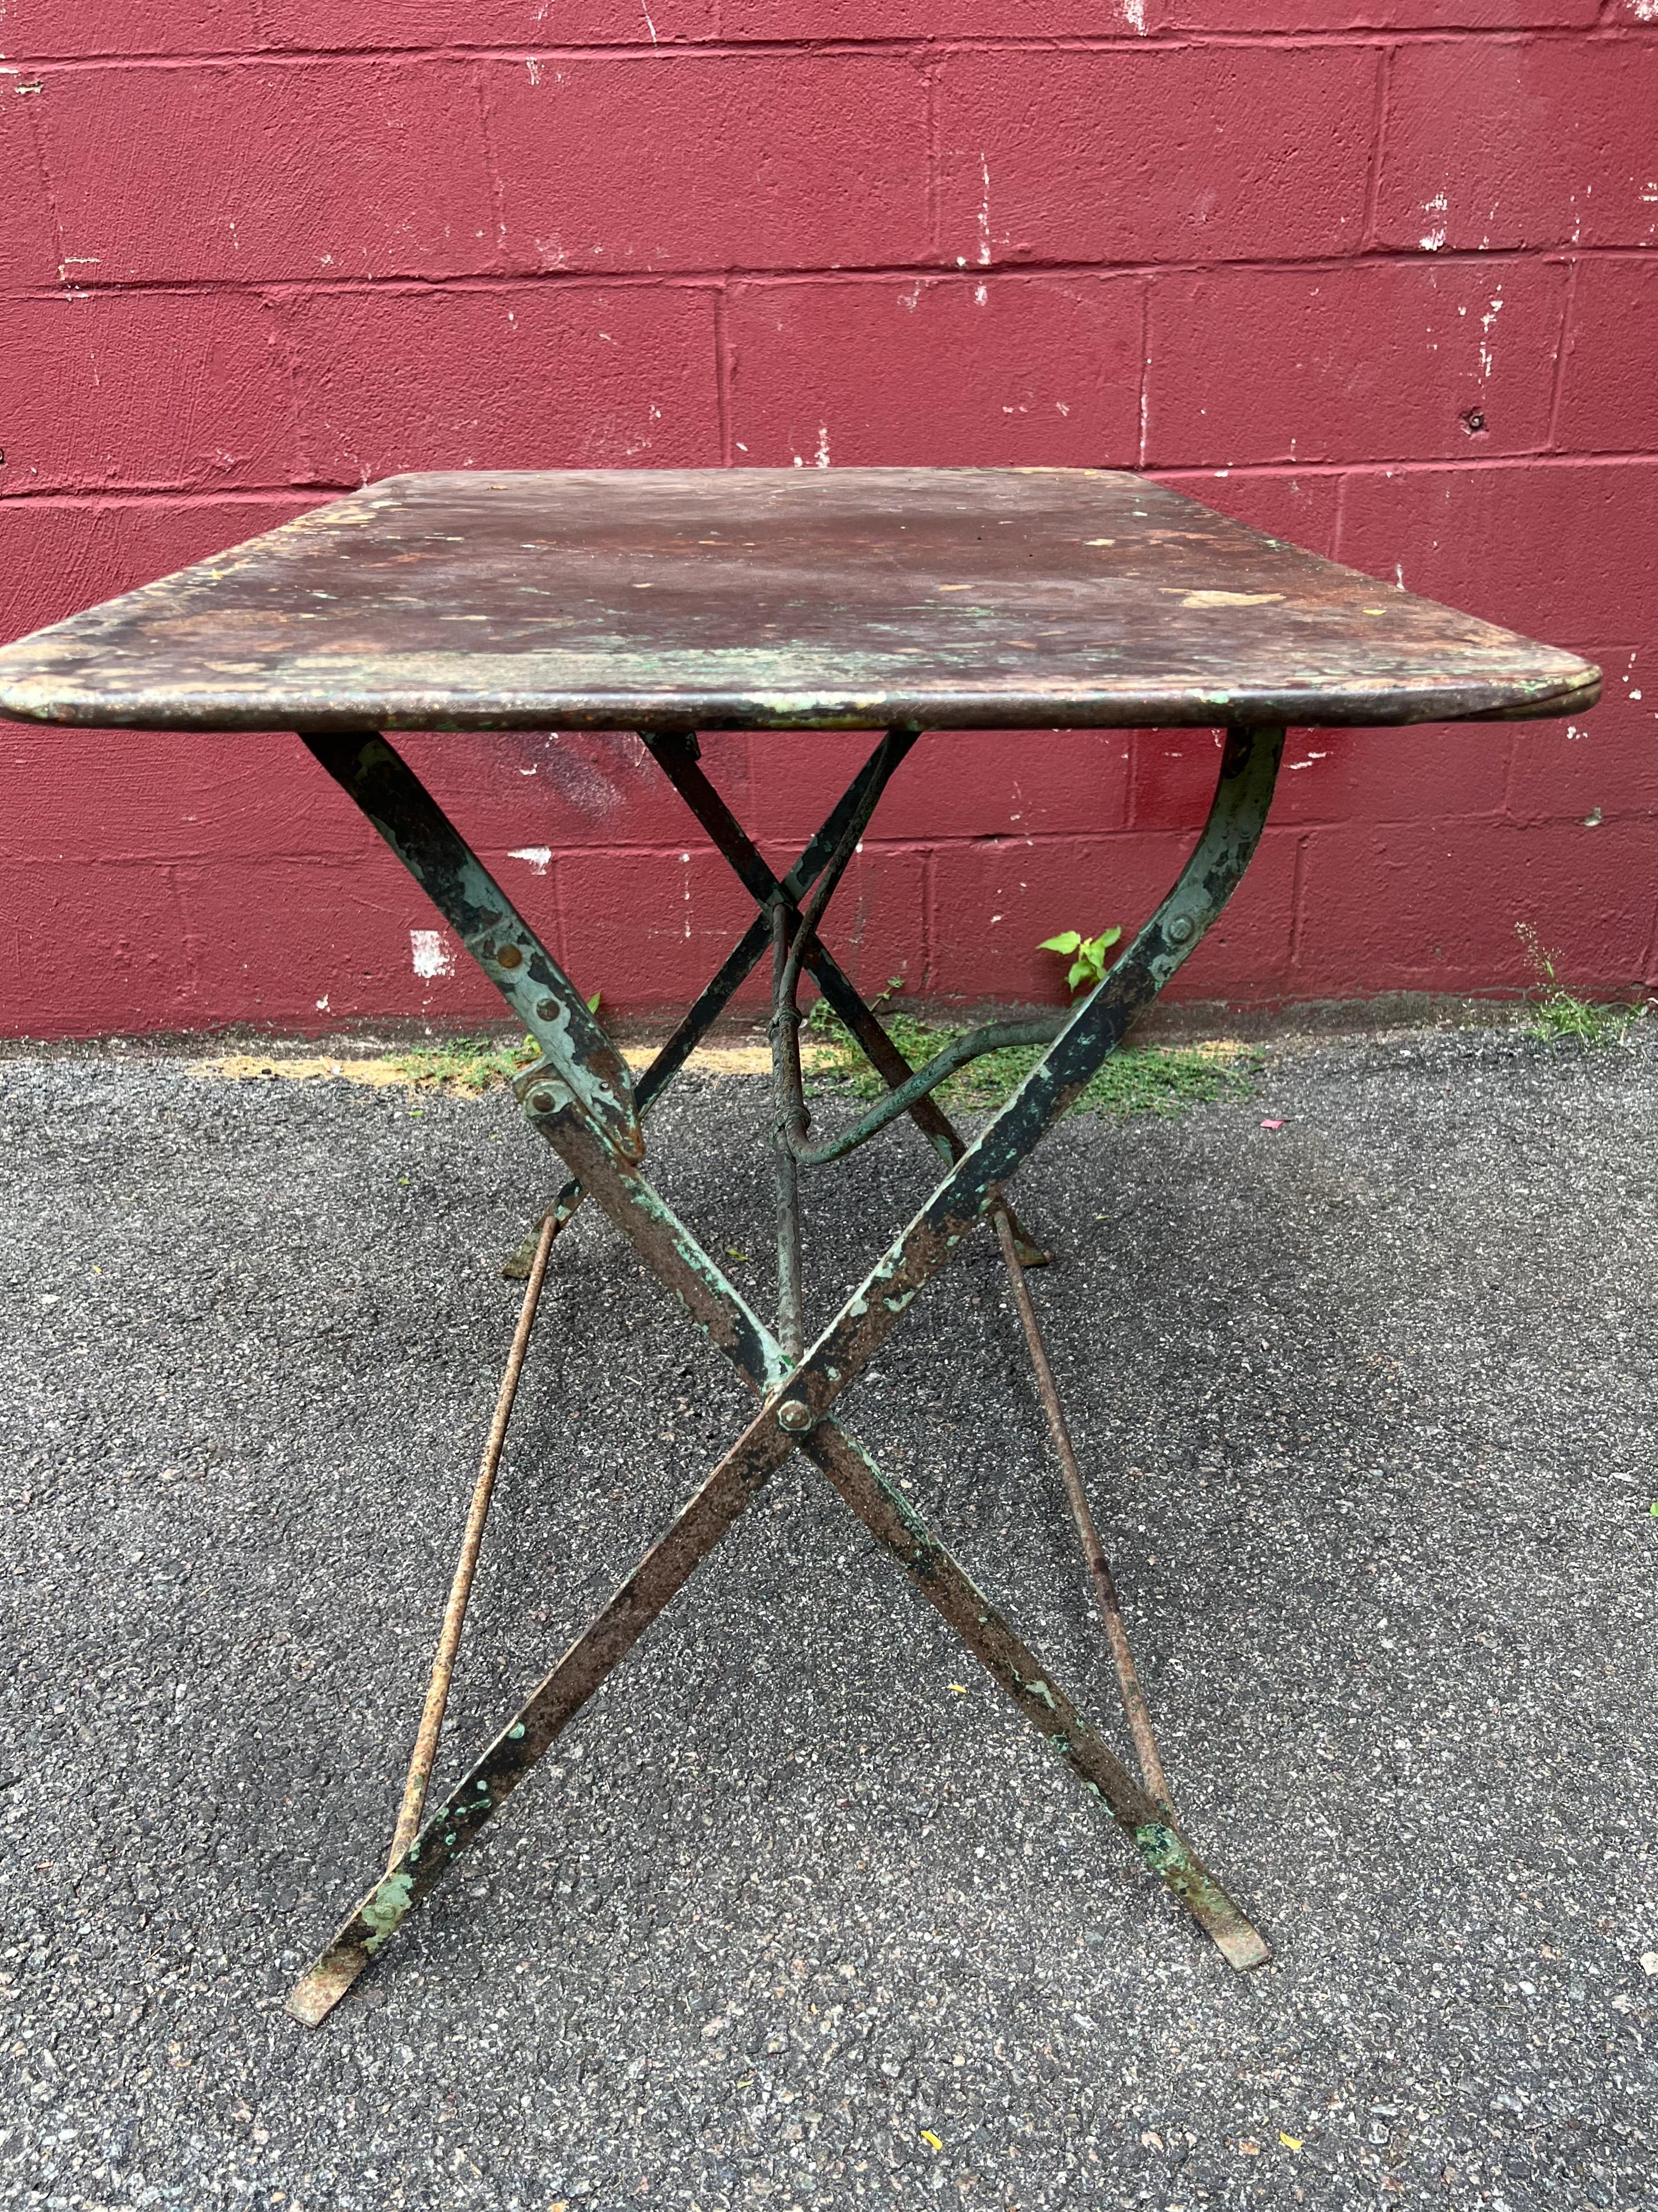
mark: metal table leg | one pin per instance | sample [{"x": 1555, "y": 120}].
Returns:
[{"x": 573, "y": 1099}]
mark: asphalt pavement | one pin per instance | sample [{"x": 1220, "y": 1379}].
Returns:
[{"x": 800, "y": 1913}]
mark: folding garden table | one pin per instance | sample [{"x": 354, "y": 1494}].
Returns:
[{"x": 903, "y": 601}]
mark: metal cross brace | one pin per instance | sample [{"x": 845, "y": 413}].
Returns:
[
  {"x": 677, "y": 754},
  {"x": 581, "y": 1098}
]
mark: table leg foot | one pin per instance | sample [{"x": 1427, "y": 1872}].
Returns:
[
  {"x": 317, "y": 1990},
  {"x": 1172, "y": 1859}
]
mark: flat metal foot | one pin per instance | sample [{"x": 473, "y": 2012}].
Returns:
[
  {"x": 315, "y": 1995},
  {"x": 1245, "y": 1948}
]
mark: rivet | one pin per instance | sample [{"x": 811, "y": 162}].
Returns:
[
  {"x": 545, "y": 1009},
  {"x": 1180, "y": 928},
  {"x": 543, "y": 1102},
  {"x": 794, "y": 1415},
  {"x": 508, "y": 957}
]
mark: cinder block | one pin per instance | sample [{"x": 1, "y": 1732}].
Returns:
[
  {"x": 1267, "y": 16},
  {"x": 1494, "y": 143},
  {"x": 951, "y": 372},
  {"x": 1603, "y": 763},
  {"x": 28, "y": 244},
  {"x": 1558, "y": 548},
  {"x": 245, "y": 171},
  {"x": 1425, "y": 772},
  {"x": 1130, "y": 154},
  {"x": 45, "y": 30},
  {"x": 516, "y": 376},
  {"x": 934, "y": 18},
  {"x": 524, "y": 792},
  {"x": 174, "y": 390},
  {"x": 1414, "y": 908},
  {"x": 319, "y": 24},
  {"x": 303, "y": 941},
  {"x": 955, "y": 783},
  {"x": 995, "y": 900},
  {"x": 1609, "y": 391},
  {"x": 1414, "y": 360},
  {"x": 687, "y": 162},
  {"x": 83, "y": 796},
  {"x": 94, "y": 948}
]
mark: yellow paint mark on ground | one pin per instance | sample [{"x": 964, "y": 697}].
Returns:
[{"x": 384, "y": 1072}]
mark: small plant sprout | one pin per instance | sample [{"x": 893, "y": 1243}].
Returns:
[
  {"x": 1557, "y": 1014},
  {"x": 1085, "y": 954}
]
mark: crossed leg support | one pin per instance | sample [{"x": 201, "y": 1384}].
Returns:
[{"x": 597, "y": 1136}]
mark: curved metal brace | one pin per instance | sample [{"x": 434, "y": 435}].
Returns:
[
  {"x": 997, "y": 1036},
  {"x": 1237, "y": 818}
]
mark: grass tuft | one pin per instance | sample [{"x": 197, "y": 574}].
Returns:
[
  {"x": 1561, "y": 1018},
  {"x": 1160, "y": 1079},
  {"x": 471, "y": 1065}
]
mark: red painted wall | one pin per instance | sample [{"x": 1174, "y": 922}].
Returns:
[{"x": 1377, "y": 273}]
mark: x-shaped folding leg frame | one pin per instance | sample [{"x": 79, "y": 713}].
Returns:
[{"x": 581, "y": 1098}]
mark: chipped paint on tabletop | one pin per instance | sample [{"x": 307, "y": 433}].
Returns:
[{"x": 840, "y": 598}]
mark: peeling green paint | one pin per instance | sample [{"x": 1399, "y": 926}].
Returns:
[{"x": 385, "y": 1911}]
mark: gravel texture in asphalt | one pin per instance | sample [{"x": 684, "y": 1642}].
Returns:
[{"x": 799, "y": 1913}]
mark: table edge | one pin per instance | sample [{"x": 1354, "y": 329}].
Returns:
[{"x": 31, "y": 701}]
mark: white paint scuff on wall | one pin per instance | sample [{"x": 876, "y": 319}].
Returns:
[
  {"x": 431, "y": 956},
  {"x": 1434, "y": 237},
  {"x": 1487, "y": 321},
  {"x": 984, "y": 214},
  {"x": 534, "y": 856}
]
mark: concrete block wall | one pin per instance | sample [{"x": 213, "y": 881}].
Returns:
[{"x": 1378, "y": 274}]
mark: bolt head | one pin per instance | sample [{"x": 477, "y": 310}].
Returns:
[
  {"x": 1180, "y": 928},
  {"x": 543, "y": 1102},
  {"x": 508, "y": 957},
  {"x": 794, "y": 1415},
  {"x": 546, "y": 1009}
]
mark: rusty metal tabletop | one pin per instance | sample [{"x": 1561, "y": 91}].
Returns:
[{"x": 773, "y": 598}]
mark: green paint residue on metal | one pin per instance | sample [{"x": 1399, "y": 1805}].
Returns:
[
  {"x": 1160, "y": 1847},
  {"x": 384, "y": 1912}
]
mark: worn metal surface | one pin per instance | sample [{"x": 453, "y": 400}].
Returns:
[
  {"x": 471, "y": 1543},
  {"x": 773, "y": 598},
  {"x": 678, "y": 758},
  {"x": 579, "y": 1055},
  {"x": 1147, "y": 1757},
  {"x": 733, "y": 971},
  {"x": 786, "y": 1083},
  {"x": 799, "y": 1399},
  {"x": 995, "y": 1036}
]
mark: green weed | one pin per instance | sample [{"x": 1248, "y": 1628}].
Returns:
[
  {"x": 1557, "y": 1015},
  {"x": 1085, "y": 954},
  {"x": 468, "y": 1064},
  {"x": 1161, "y": 1079}
]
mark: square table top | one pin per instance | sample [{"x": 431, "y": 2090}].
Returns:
[{"x": 780, "y": 599}]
